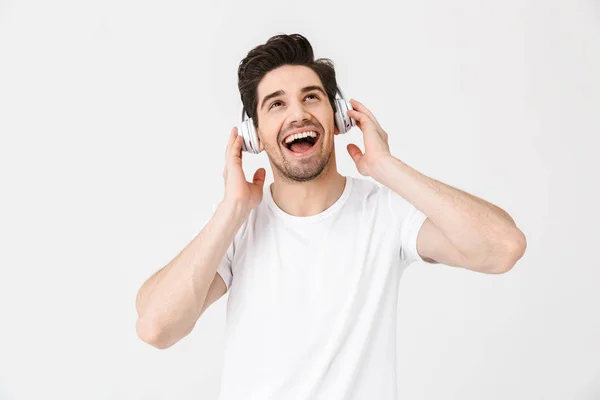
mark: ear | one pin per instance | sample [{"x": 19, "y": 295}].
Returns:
[
  {"x": 336, "y": 131},
  {"x": 261, "y": 148}
]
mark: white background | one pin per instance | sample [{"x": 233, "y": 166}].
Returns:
[{"x": 114, "y": 117}]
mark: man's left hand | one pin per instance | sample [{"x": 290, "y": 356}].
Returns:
[{"x": 374, "y": 137}]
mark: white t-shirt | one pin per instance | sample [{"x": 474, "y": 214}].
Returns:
[{"x": 312, "y": 304}]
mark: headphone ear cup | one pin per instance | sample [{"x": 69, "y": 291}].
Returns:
[
  {"x": 242, "y": 132},
  {"x": 343, "y": 122},
  {"x": 253, "y": 137},
  {"x": 339, "y": 120},
  {"x": 250, "y": 142}
]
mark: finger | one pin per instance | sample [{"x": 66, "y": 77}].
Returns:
[
  {"x": 232, "y": 136},
  {"x": 259, "y": 177},
  {"x": 236, "y": 147},
  {"x": 360, "y": 117},
  {"x": 361, "y": 108},
  {"x": 354, "y": 152},
  {"x": 357, "y": 105}
]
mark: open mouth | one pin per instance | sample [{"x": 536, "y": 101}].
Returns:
[{"x": 301, "y": 143}]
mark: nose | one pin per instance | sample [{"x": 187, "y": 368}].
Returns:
[{"x": 298, "y": 113}]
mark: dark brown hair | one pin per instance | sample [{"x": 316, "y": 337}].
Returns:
[{"x": 281, "y": 50}]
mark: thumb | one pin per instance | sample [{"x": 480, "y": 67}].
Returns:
[
  {"x": 259, "y": 177},
  {"x": 354, "y": 152}
]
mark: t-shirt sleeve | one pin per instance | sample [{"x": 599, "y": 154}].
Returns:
[
  {"x": 411, "y": 220},
  {"x": 410, "y": 231},
  {"x": 224, "y": 268}
]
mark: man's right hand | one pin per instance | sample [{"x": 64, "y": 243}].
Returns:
[{"x": 238, "y": 191}]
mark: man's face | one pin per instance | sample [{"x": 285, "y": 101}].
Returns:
[{"x": 303, "y": 105}]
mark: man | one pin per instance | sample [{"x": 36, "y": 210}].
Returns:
[{"x": 313, "y": 261}]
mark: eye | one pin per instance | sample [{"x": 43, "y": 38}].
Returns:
[
  {"x": 272, "y": 104},
  {"x": 276, "y": 102}
]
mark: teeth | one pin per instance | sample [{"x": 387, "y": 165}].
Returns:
[{"x": 300, "y": 136}]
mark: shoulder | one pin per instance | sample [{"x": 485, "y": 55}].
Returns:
[
  {"x": 373, "y": 193},
  {"x": 365, "y": 188},
  {"x": 379, "y": 197},
  {"x": 371, "y": 200}
]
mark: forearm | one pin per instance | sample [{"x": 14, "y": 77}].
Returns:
[
  {"x": 475, "y": 227},
  {"x": 170, "y": 302}
]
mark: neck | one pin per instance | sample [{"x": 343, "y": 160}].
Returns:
[{"x": 304, "y": 199}]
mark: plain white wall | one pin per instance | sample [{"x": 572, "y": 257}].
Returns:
[{"x": 114, "y": 117}]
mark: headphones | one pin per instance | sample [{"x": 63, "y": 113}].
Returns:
[{"x": 251, "y": 142}]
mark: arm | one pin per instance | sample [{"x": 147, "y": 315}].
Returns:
[
  {"x": 460, "y": 229},
  {"x": 170, "y": 302}
]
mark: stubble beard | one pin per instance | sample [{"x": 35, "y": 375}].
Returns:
[{"x": 303, "y": 170}]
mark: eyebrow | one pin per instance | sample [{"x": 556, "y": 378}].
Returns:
[{"x": 281, "y": 92}]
